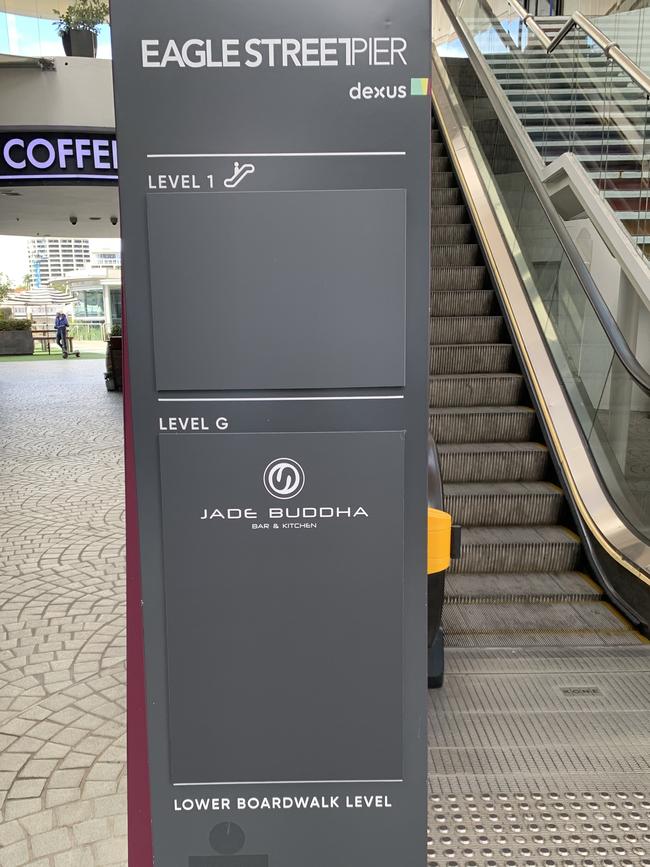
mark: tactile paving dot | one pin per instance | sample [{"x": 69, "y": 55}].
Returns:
[{"x": 535, "y": 829}]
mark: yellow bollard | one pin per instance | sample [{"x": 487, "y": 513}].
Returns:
[{"x": 438, "y": 541}]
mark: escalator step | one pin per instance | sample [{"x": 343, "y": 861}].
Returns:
[
  {"x": 459, "y": 278},
  {"x": 479, "y": 504},
  {"x": 476, "y": 389},
  {"x": 489, "y": 462},
  {"x": 454, "y": 233},
  {"x": 435, "y": 135},
  {"x": 455, "y": 254},
  {"x": 527, "y": 587},
  {"x": 447, "y": 214},
  {"x": 438, "y": 149},
  {"x": 476, "y": 424},
  {"x": 479, "y": 302},
  {"x": 563, "y": 625},
  {"x": 445, "y": 196},
  {"x": 472, "y": 358},
  {"x": 442, "y": 180},
  {"x": 517, "y": 549},
  {"x": 440, "y": 164},
  {"x": 446, "y": 330}
]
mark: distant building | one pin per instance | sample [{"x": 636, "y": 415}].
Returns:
[
  {"x": 98, "y": 295},
  {"x": 50, "y": 259},
  {"x": 106, "y": 258}
]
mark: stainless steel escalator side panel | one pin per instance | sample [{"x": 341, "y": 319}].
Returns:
[{"x": 585, "y": 486}]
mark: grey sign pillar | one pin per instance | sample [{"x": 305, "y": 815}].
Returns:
[{"x": 274, "y": 182}]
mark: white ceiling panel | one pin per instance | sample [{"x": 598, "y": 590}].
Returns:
[{"x": 46, "y": 210}]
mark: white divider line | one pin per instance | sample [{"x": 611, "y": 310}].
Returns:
[
  {"x": 297, "y": 154},
  {"x": 262, "y": 399},
  {"x": 286, "y": 782}
]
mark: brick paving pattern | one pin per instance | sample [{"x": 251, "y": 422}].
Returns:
[{"x": 62, "y": 628}]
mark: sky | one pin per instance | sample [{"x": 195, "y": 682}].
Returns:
[
  {"x": 13, "y": 254},
  {"x": 13, "y": 257}
]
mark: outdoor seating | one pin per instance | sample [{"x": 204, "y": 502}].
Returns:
[{"x": 46, "y": 337}]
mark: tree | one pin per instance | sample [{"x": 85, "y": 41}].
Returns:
[
  {"x": 5, "y": 286},
  {"x": 27, "y": 280}
]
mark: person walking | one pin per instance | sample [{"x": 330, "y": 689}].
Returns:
[{"x": 61, "y": 328}]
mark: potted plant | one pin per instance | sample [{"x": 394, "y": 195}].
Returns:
[
  {"x": 78, "y": 25},
  {"x": 16, "y": 337}
]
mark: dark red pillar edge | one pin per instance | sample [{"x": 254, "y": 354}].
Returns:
[{"x": 139, "y": 819}]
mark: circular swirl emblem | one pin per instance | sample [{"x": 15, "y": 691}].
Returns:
[{"x": 284, "y": 478}]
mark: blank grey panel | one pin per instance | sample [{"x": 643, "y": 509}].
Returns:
[
  {"x": 284, "y": 642},
  {"x": 278, "y": 290}
]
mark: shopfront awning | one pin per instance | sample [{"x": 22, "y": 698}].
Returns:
[{"x": 40, "y": 298}]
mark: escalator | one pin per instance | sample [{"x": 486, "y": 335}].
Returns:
[
  {"x": 540, "y": 407},
  {"x": 523, "y": 578}
]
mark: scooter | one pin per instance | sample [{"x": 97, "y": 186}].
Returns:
[{"x": 65, "y": 351}]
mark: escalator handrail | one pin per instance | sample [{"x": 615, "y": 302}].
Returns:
[
  {"x": 512, "y": 126},
  {"x": 435, "y": 491},
  {"x": 610, "y": 48}
]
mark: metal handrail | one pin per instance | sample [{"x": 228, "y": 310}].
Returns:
[
  {"x": 610, "y": 48},
  {"x": 512, "y": 126},
  {"x": 529, "y": 20},
  {"x": 435, "y": 490}
]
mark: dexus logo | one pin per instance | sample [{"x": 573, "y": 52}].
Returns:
[
  {"x": 284, "y": 478},
  {"x": 419, "y": 87},
  {"x": 390, "y": 91}
]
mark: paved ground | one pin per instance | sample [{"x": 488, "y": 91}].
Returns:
[
  {"x": 62, "y": 684},
  {"x": 538, "y": 757}
]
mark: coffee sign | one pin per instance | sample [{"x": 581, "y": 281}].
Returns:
[{"x": 72, "y": 157}]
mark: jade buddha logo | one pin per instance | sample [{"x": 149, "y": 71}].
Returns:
[{"x": 284, "y": 478}]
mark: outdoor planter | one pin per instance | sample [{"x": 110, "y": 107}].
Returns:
[
  {"x": 16, "y": 342},
  {"x": 78, "y": 26},
  {"x": 79, "y": 43}
]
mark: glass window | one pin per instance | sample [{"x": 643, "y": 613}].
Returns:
[
  {"x": 30, "y": 35},
  {"x": 89, "y": 303},
  {"x": 116, "y": 306}
]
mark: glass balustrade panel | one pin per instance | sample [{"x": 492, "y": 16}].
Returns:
[
  {"x": 620, "y": 443},
  {"x": 630, "y": 30},
  {"x": 623, "y": 176}
]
